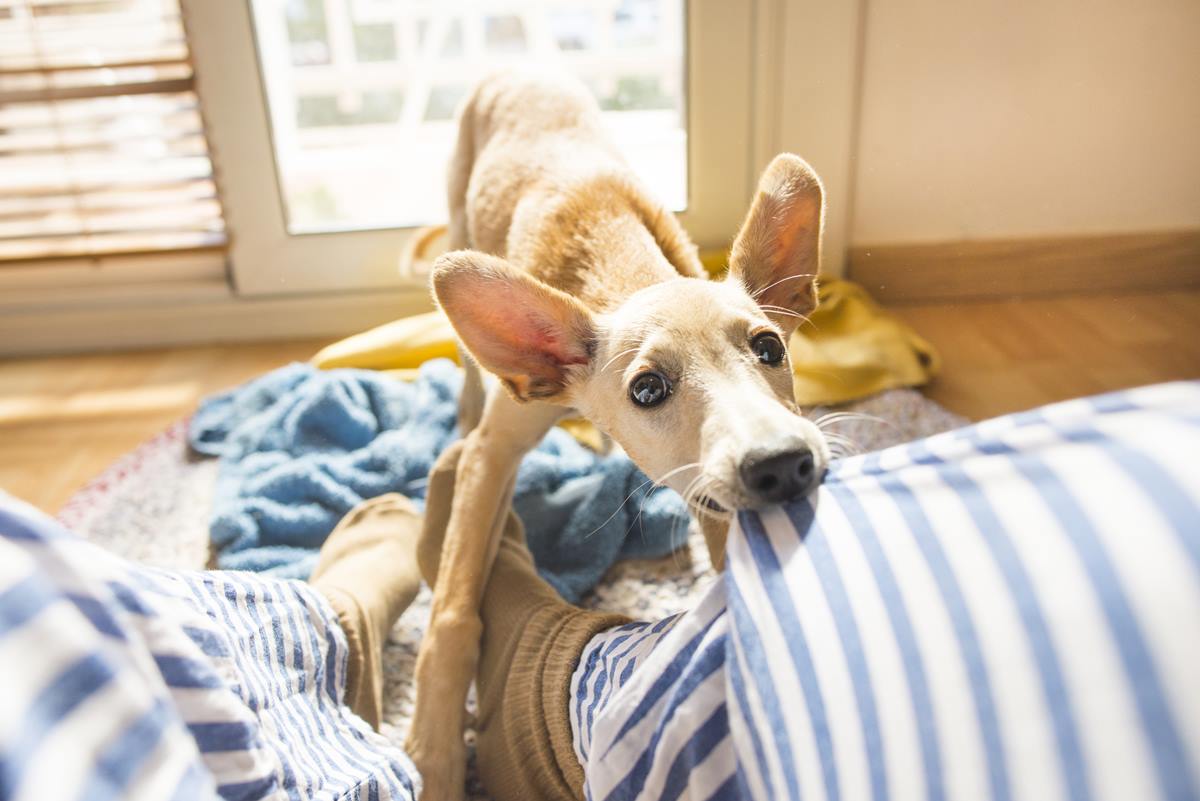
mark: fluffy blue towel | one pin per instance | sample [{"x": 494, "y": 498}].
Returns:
[{"x": 300, "y": 447}]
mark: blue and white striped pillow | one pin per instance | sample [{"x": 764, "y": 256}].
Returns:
[{"x": 1007, "y": 611}]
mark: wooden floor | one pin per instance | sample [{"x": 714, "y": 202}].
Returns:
[
  {"x": 62, "y": 420},
  {"x": 1001, "y": 357}
]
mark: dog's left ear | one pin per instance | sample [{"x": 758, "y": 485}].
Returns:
[
  {"x": 778, "y": 251},
  {"x": 527, "y": 333}
]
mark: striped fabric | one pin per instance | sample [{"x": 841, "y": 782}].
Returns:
[
  {"x": 122, "y": 681},
  {"x": 1007, "y": 611}
]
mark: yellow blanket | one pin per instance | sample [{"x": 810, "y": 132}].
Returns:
[{"x": 850, "y": 348}]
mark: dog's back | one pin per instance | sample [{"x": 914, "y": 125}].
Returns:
[{"x": 536, "y": 180}]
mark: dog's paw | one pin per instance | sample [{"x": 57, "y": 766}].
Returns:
[{"x": 443, "y": 770}]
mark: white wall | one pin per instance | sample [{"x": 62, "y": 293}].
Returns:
[{"x": 990, "y": 119}]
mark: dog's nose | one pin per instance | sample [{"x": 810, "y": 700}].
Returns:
[{"x": 776, "y": 476}]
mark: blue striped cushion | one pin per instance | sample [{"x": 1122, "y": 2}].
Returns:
[
  {"x": 123, "y": 681},
  {"x": 1007, "y": 611}
]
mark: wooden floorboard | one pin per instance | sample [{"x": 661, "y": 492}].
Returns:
[
  {"x": 1004, "y": 356},
  {"x": 63, "y": 419}
]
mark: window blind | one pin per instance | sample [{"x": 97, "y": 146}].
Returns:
[{"x": 102, "y": 146}]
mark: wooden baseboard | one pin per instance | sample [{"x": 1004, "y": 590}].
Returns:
[
  {"x": 992, "y": 269},
  {"x": 159, "y": 319}
]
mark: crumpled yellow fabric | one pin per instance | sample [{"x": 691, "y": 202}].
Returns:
[
  {"x": 400, "y": 346},
  {"x": 851, "y": 348},
  {"x": 848, "y": 349}
]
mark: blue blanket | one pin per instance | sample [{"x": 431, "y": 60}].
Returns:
[{"x": 300, "y": 447}]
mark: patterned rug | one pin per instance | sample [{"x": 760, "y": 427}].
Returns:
[{"x": 152, "y": 506}]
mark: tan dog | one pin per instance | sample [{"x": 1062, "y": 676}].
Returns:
[{"x": 581, "y": 293}]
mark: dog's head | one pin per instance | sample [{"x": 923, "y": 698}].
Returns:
[{"x": 691, "y": 377}]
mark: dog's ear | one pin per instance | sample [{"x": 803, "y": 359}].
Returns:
[
  {"x": 530, "y": 335},
  {"x": 778, "y": 251}
]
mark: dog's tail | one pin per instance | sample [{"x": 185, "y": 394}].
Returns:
[
  {"x": 470, "y": 401},
  {"x": 417, "y": 248}
]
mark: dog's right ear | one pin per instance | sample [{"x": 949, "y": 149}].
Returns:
[
  {"x": 529, "y": 334},
  {"x": 777, "y": 252}
]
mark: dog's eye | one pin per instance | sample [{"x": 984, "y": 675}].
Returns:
[
  {"x": 649, "y": 389},
  {"x": 768, "y": 348}
]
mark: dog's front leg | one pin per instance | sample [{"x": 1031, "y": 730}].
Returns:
[
  {"x": 447, "y": 660},
  {"x": 715, "y": 530},
  {"x": 449, "y": 654}
]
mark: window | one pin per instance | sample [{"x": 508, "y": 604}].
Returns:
[
  {"x": 102, "y": 148},
  {"x": 105, "y": 148},
  {"x": 296, "y": 92},
  {"x": 362, "y": 93}
]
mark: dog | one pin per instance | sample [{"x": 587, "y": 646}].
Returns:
[{"x": 582, "y": 295}]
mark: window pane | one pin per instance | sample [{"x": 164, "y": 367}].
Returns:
[{"x": 362, "y": 93}]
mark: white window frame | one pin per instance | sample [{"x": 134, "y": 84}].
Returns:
[{"x": 723, "y": 62}]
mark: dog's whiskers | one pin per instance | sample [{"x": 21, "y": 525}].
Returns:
[
  {"x": 832, "y": 418},
  {"x": 701, "y": 500},
  {"x": 684, "y": 495},
  {"x": 619, "y": 508},
  {"x": 625, "y": 352},
  {"x": 780, "y": 310},
  {"x": 637, "y": 520},
  {"x": 840, "y": 443},
  {"x": 772, "y": 309},
  {"x": 690, "y": 490},
  {"x": 849, "y": 446},
  {"x": 690, "y": 485},
  {"x": 661, "y": 481},
  {"x": 759, "y": 293}
]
